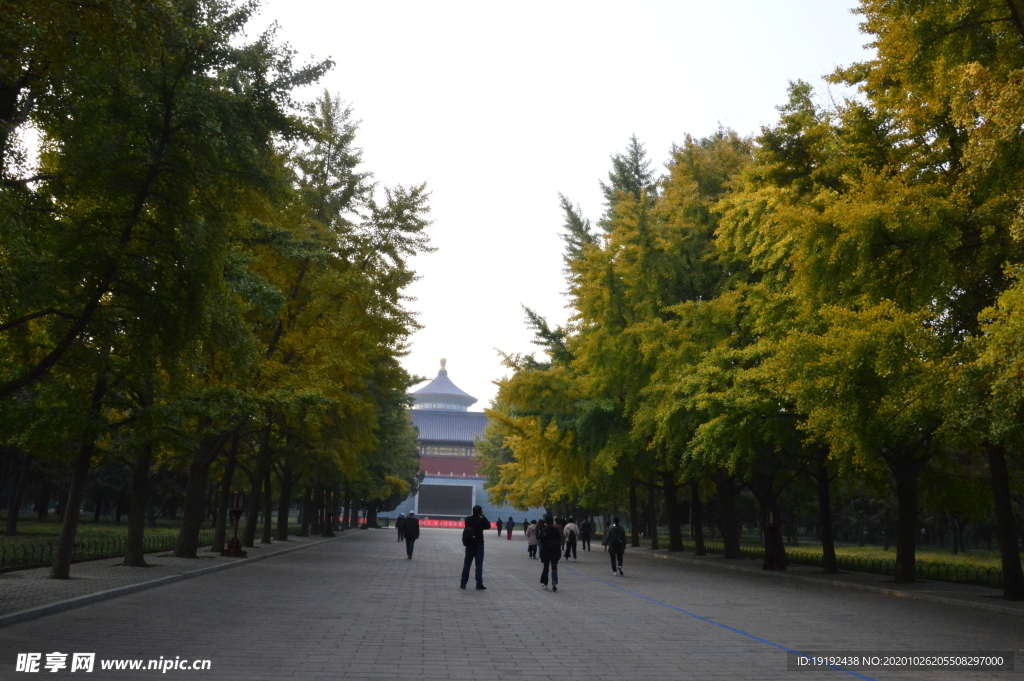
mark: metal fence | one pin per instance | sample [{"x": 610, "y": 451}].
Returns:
[
  {"x": 946, "y": 572},
  {"x": 40, "y": 554}
]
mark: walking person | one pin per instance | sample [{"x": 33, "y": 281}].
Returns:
[
  {"x": 510, "y": 525},
  {"x": 531, "y": 539},
  {"x": 570, "y": 532},
  {"x": 499, "y": 526},
  {"x": 615, "y": 540},
  {"x": 411, "y": 532},
  {"x": 473, "y": 540},
  {"x": 585, "y": 531},
  {"x": 400, "y": 526},
  {"x": 549, "y": 535}
]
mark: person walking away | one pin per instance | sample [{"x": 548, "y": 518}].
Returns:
[
  {"x": 473, "y": 540},
  {"x": 411, "y": 532},
  {"x": 549, "y": 535},
  {"x": 570, "y": 531},
  {"x": 400, "y": 526},
  {"x": 531, "y": 539},
  {"x": 585, "y": 531},
  {"x": 499, "y": 526},
  {"x": 510, "y": 525},
  {"x": 615, "y": 540}
]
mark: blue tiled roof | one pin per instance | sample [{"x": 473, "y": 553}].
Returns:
[
  {"x": 442, "y": 391},
  {"x": 449, "y": 426}
]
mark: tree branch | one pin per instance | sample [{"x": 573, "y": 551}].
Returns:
[
  {"x": 35, "y": 315},
  {"x": 1015, "y": 18}
]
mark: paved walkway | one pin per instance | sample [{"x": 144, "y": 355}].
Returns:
[
  {"x": 356, "y": 609},
  {"x": 968, "y": 595},
  {"x": 27, "y": 593}
]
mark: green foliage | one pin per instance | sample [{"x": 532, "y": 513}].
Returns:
[
  {"x": 212, "y": 246},
  {"x": 839, "y": 294}
]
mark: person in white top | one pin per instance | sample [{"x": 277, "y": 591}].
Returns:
[
  {"x": 531, "y": 539},
  {"x": 571, "y": 531}
]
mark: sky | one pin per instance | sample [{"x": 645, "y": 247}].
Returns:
[{"x": 500, "y": 107}]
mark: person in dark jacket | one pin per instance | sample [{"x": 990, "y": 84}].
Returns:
[
  {"x": 400, "y": 526},
  {"x": 585, "y": 531},
  {"x": 412, "y": 532},
  {"x": 479, "y": 524},
  {"x": 549, "y": 536},
  {"x": 615, "y": 540},
  {"x": 510, "y": 525}
]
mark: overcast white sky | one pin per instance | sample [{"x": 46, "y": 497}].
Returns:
[{"x": 498, "y": 107}]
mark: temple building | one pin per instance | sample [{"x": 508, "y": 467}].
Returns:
[{"x": 451, "y": 483}]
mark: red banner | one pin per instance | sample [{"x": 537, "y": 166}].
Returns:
[
  {"x": 427, "y": 522},
  {"x": 424, "y": 522}
]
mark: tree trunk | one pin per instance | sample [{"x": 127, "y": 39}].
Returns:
[
  {"x": 317, "y": 518},
  {"x": 134, "y": 547},
  {"x": 268, "y": 507},
  {"x": 194, "y": 508},
  {"x": 634, "y": 517},
  {"x": 771, "y": 520},
  {"x": 252, "y": 508},
  {"x": 220, "y": 523},
  {"x": 1006, "y": 532},
  {"x": 675, "y": 529},
  {"x": 69, "y": 524},
  {"x": 828, "y": 546},
  {"x": 904, "y": 470},
  {"x": 307, "y": 508},
  {"x": 327, "y": 522},
  {"x": 652, "y": 510},
  {"x": 192, "y": 514},
  {"x": 284, "y": 503},
  {"x": 346, "y": 510},
  {"x": 339, "y": 500},
  {"x": 17, "y": 493},
  {"x": 43, "y": 501},
  {"x": 371, "y": 515},
  {"x": 727, "y": 524},
  {"x": 696, "y": 518},
  {"x": 212, "y": 502},
  {"x": 888, "y": 530},
  {"x": 255, "y": 485}
]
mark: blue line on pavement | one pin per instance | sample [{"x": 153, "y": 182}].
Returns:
[{"x": 717, "y": 624}]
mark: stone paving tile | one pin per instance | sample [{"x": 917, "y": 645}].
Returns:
[
  {"x": 24, "y": 589},
  {"x": 357, "y": 609},
  {"x": 984, "y": 597}
]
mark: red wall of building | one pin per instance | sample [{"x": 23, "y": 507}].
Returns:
[{"x": 451, "y": 466}]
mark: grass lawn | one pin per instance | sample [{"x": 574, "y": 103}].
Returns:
[
  {"x": 926, "y": 554},
  {"x": 37, "y": 531}
]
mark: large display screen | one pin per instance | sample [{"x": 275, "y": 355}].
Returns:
[{"x": 453, "y": 500}]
